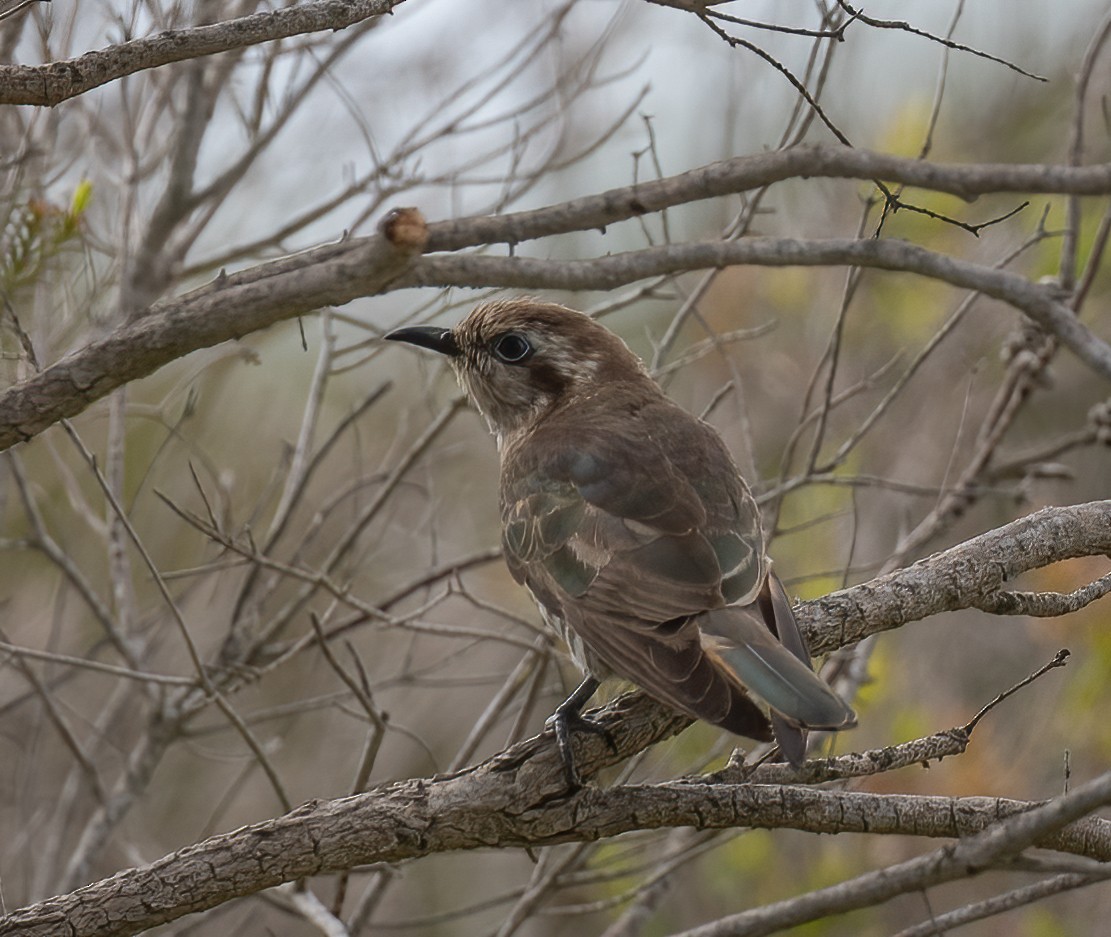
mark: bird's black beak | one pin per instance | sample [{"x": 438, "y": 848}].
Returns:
[{"x": 427, "y": 336}]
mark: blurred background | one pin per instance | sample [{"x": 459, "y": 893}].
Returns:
[{"x": 312, "y": 481}]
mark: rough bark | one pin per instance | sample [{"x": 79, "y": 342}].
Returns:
[{"x": 518, "y": 798}]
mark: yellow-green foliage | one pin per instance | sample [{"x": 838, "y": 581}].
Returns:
[
  {"x": 742, "y": 862},
  {"x": 37, "y": 230},
  {"x": 905, "y": 718},
  {"x": 1040, "y": 921},
  {"x": 1087, "y": 633},
  {"x": 809, "y": 556}
]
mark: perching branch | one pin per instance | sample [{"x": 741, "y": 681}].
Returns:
[
  {"x": 514, "y": 801},
  {"x": 517, "y": 798}
]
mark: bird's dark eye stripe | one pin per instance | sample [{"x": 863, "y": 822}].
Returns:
[{"x": 512, "y": 348}]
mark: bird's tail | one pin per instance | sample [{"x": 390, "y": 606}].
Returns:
[{"x": 763, "y": 646}]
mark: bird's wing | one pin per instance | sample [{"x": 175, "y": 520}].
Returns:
[{"x": 648, "y": 531}]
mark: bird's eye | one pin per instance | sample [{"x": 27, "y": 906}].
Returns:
[{"x": 512, "y": 348}]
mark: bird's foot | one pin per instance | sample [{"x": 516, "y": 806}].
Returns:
[{"x": 564, "y": 721}]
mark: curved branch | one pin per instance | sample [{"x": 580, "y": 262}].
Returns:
[
  {"x": 1040, "y": 302},
  {"x": 744, "y": 173},
  {"x": 964, "y": 576},
  {"x": 1045, "y": 604},
  {"x": 992, "y": 847},
  {"x": 235, "y": 305},
  {"x": 504, "y": 803},
  {"x": 55, "y": 82},
  {"x": 228, "y": 308},
  {"x": 517, "y": 798}
]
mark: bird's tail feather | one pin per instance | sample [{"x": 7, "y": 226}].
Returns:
[
  {"x": 787, "y": 685},
  {"x": 790, "y": 738},
  {"x": 762, "y": 644}
]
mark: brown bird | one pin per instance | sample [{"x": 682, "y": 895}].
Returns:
[{"x": 629, "y": 523}]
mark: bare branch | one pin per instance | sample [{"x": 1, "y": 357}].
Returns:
[
  {"x": 959, "y": 577},
  {"x": 1040, "y": 302},
  {"x": 50, "y": 84},
  {"x": 750, "y": 172},
  {"x": 1045, "y": 604},
  {"x": 1008, "y": 901},
  {"x": 241, "y": 303},
  {"x": 973, "y": 854},
  {"x": 508, "y": 802},
  {"x": 518, "y": 797},
  {"x": 943, "y": 40},
  {"x": 271, "y": 293},
  {"x": 96, "y": 666}
]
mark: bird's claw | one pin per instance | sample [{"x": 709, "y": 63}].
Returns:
[{"x": 564, "y": 722}]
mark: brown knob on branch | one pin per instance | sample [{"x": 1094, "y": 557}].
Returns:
[{"x": 405, "y": 228}]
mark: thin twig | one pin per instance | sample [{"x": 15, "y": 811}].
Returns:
[{"x": 943, "y": 40}]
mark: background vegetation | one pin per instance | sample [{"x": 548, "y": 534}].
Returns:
[{"x": 248, "y": 553}]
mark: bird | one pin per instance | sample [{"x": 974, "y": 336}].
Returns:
[{"x": 628, "y": 521}]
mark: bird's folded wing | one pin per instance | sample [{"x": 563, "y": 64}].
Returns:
[{"x": 654, "y": 532}]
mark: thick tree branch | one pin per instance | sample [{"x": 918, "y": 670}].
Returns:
[
  {"x": 964, "y": 576},
  {"x": 245, "y": 302},
  {"x": 975, "y": 854},
  {"x": 54, "y": 82},
  {"x": 514, "y": 801},
  {"x": 517, "y": 798},
  {"x": 746, "y": 173},
  {"x": 228, "y": 308},
  {"x": 1041, "y": 303},
  {"x": 252, "y": 299}
]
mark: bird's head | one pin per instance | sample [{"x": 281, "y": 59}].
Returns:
[{"x": 519, "y": 359}]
